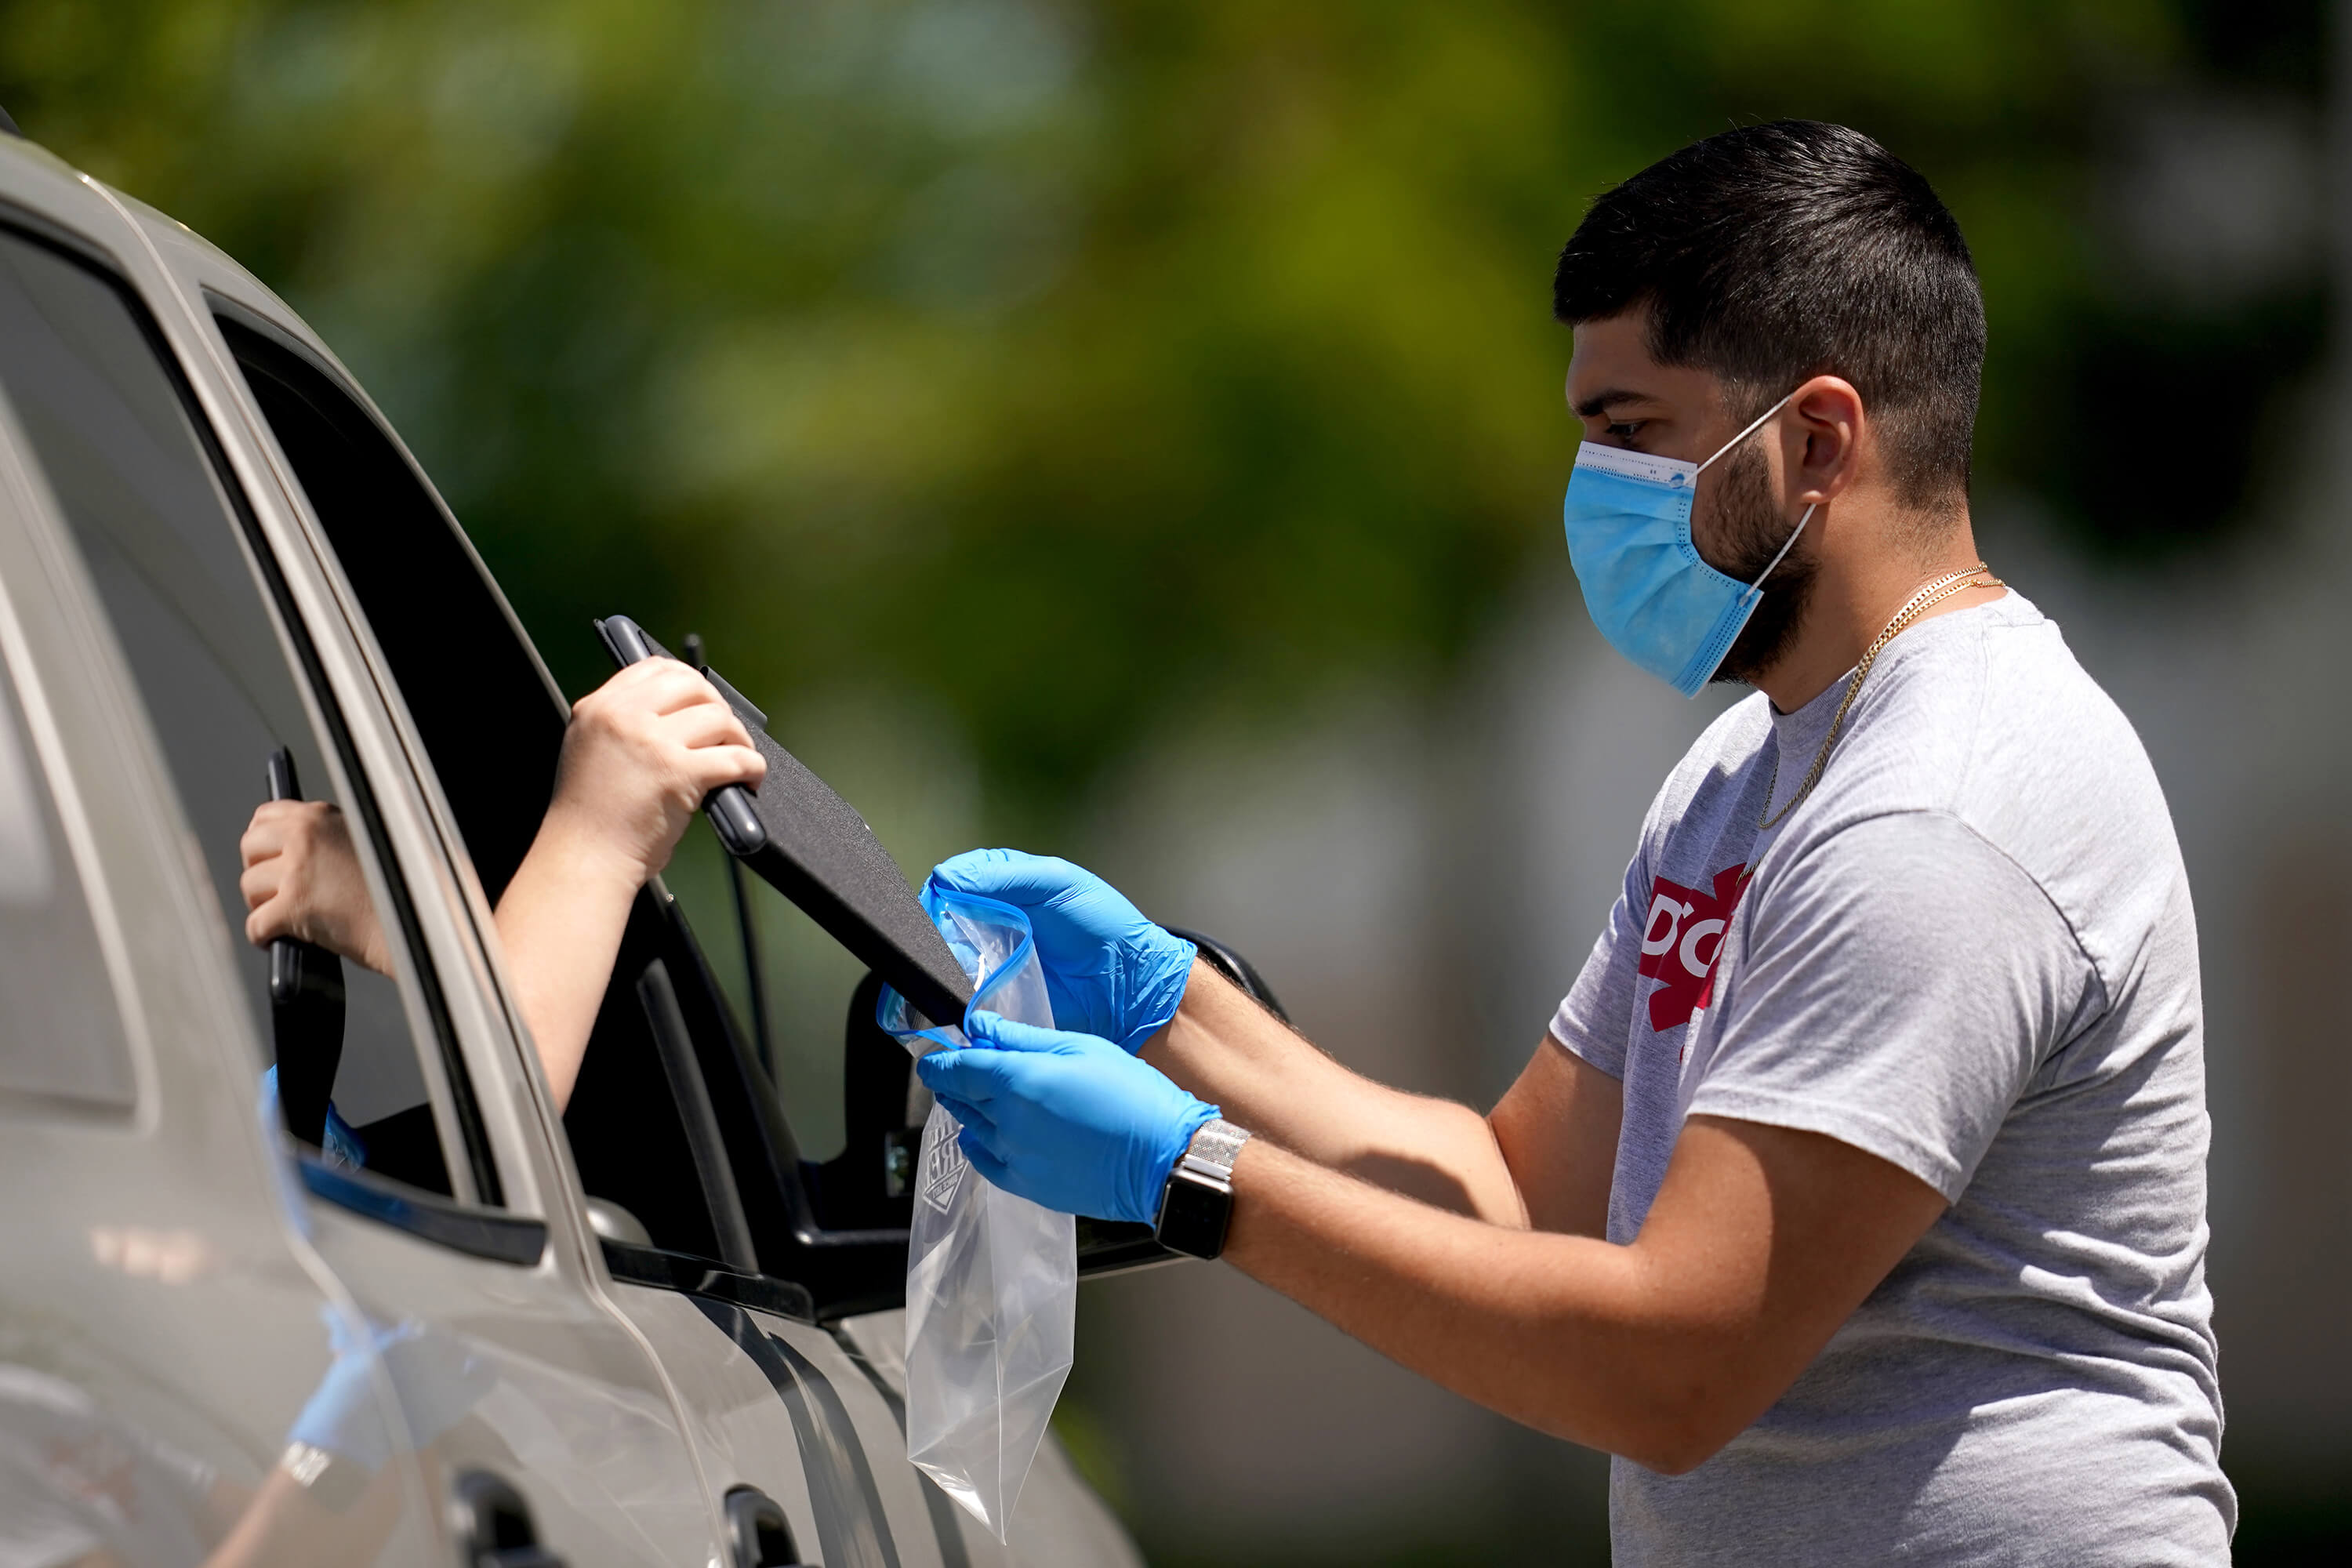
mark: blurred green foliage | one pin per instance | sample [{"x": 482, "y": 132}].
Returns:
[{"x": 1045, "y": 371}]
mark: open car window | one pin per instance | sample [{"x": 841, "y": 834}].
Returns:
[
  {"x": 218, "y": 658},
  {"x": 668, "y": 1113},
  {"x": 676, "y": 1130}
]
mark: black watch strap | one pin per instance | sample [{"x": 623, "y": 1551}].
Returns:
[{"x": 1196, "y": 1208}]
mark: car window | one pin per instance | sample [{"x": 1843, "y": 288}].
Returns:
[
  {"x": 60, "y": 1034},
  {"x": 110, "y": 426},
  {"x": 493, "y": 729}
]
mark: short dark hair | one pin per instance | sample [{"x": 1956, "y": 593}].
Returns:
[{"x": 1776, "y": 252}]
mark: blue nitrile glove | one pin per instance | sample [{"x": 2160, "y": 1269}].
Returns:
[
  {"x": 1109, "y": 970},
  {"x": 1067, "y": 1120}
]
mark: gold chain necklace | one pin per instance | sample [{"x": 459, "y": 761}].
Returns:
[{"x": 1935, "y": 592}]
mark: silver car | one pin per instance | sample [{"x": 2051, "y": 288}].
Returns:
[{"x": 642, "y": 1331}]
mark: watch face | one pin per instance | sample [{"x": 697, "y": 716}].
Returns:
[{"x": 1193, "y": 1217}]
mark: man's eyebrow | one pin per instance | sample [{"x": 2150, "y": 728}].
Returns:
[{"x": 1601, "y": 402}]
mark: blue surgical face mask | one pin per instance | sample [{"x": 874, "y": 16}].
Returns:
[{"x": 1629, "y": 537}]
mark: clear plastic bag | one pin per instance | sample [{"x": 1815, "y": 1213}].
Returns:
[{"x": 991, "y": 1278}]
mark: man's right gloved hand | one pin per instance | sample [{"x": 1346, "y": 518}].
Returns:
[
  {"x": 1064, "y": 1119},
  {"x": 1109, "y": 970}
]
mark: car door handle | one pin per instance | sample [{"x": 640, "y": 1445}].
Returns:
[
  {"x": 492, "y": 1525},
  {"x": 761, "y": 1537}
]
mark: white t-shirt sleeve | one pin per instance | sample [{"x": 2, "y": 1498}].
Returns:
[{"x": 1899, "y": 989}]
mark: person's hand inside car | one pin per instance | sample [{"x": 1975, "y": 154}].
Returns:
[
  {"x": 302, "y": 880},
  {"x": 1109, "y": 970},
  {"x": 1067, "y": 1120},
  {"x": 641, "y": 753}
]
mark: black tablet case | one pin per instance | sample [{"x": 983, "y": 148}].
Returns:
[{"x": 822, "y": 856}]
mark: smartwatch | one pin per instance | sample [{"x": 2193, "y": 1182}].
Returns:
[{"x": 1197, "y": 1205}]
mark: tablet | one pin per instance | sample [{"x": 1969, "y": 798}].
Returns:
[{"x": 810, "y": 845}]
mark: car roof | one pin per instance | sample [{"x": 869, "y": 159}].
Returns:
[{"x": 185, "y": 252}]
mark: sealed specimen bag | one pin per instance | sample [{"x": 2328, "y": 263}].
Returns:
[{"x": 991, "y": 1278}]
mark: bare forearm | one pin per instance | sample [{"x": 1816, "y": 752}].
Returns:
[
  {"x": 1230, "y": 1051},
  {"x": 560, "y": 921},
  {"x": 1761, "y": 1242},
  {"x": 1556, "y": 1129},
  {"x": 1570, "y": 1335}
]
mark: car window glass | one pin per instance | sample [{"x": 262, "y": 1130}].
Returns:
[
  {"x": 112, "y": 437},
  {"x": 60, "y": 1034}
]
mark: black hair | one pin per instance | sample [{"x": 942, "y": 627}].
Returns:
[{"x": 1773, "y": 253}]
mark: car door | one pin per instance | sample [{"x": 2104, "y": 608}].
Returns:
[{"x": 533, "y": 1405}]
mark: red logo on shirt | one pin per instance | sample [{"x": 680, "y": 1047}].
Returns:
[{"x": 1682, "y": 941}]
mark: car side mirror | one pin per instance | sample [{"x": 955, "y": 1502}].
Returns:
[{"x": 870, "y": 1186}]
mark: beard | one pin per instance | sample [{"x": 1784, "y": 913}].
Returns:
[{"x": 1749, "y": 531}]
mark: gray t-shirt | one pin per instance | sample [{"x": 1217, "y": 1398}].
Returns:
[{"x": 1970, "y": 952}]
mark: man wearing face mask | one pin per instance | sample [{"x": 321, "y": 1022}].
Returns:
[{"x": 1855, "y": 1196}]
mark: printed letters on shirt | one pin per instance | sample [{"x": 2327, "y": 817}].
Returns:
[{"x": 1682, "y": 940}]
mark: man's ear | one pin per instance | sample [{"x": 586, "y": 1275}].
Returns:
[{"x": 1821, "y": 445}]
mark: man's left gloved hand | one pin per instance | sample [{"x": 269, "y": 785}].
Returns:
[
  {"x": 1109, "y": 970},
  {"x": 1070, "y": 1122}
]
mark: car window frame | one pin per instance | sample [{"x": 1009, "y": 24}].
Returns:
[
  {"x": 465, "y": 905},
  {"x": 837, "y": 1273},
  {"x": 659, "y": 903},
  {"x": 471, "y": 1163}
]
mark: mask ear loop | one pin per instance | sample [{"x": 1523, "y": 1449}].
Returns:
[
  {"x": 1755, "y": 588},
  {"x": 1751, "y": 429}
]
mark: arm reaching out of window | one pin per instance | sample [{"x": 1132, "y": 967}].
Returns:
[{"x": 642, "y": 751}]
